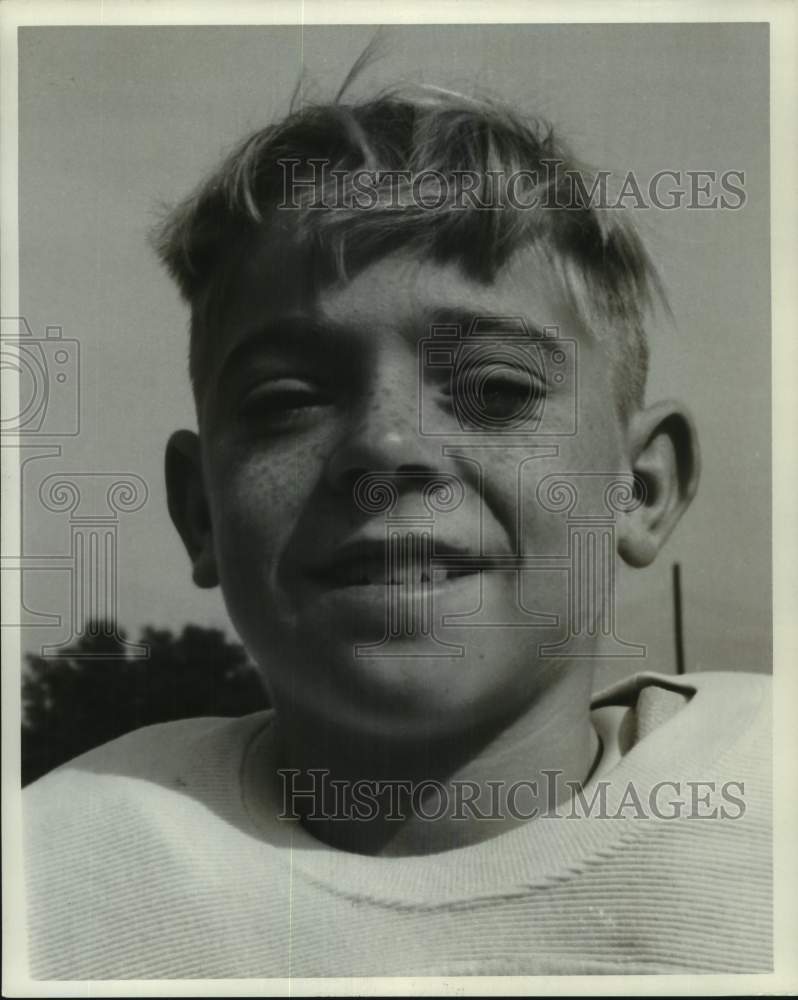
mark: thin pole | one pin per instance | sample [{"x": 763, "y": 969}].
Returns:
[{"x": 677, "y": 617}]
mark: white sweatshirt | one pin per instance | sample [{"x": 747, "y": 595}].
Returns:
[{"x": 160, "y": 855}]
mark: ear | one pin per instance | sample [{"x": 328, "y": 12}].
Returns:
[
  {"x": 663, "y": 450},
  {"x": 188, "y": 505}
]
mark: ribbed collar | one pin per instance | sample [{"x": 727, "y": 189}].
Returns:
[{"x": 710, "y": 719}]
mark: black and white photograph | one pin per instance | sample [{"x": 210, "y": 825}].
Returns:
[{"x": 396, "y": 476}]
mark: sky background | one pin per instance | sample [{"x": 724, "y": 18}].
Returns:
[{"x": 115, "y": 122}]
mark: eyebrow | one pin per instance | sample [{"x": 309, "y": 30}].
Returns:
[
  {"x": 290, "y": 334},
  {"x": 293, "y": 334}
]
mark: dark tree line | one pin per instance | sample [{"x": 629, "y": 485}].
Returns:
[{"x": 94, "y": 693}]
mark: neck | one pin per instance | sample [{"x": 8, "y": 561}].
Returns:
[{"x": 393, "y": 796}]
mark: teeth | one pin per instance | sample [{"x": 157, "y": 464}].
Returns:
[
  {"x": 375, "y": 572},
  {"x": 358, "y": 576}
]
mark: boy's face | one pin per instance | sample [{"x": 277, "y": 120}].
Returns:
[{"x": 308, "y": 390}]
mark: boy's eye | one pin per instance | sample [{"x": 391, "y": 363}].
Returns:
[
  {"x": 502, "y": 395},
  {"x": 497, "y": 392},
  {"x": 283, "y": 399}
]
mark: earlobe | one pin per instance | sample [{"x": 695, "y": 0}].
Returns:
[
  {"x": 188, "y": 505},
  {"x": 665, "y": 463}
]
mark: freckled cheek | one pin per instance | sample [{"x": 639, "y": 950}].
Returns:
[
  {"x": 518, "y": 485},
  {"x": 510, "y": 477},
  {"x": 257, "y": 502}
]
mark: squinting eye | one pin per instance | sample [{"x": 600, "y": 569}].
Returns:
[
  {"x": 283, "y": 399},
  {"x": 496, "y": 390},
  {"x": 502, "y": 396}
]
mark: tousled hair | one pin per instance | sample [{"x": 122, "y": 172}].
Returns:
[{"x": 595, "y": 250}]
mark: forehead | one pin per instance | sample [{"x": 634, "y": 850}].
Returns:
[{"x": 401, "y": 294}]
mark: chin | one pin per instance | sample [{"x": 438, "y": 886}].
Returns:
[{"x": 403, "y": 692}]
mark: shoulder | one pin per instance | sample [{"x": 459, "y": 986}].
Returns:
[
  {"x": 729, "y": 686},
  {"x": 200, "y": 757},
  {"x": 732, "y": 707},
  {"x": 124, "y": 844}
]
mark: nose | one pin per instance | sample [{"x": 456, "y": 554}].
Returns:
[{"x": 383, "y": 436}]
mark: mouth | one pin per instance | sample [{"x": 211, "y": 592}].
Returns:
[{"x": 405, "y": 561}]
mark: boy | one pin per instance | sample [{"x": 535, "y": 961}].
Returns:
[{"x": 418, "y": 354}]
